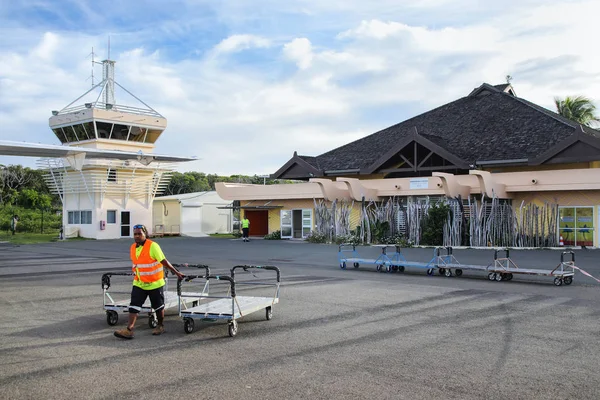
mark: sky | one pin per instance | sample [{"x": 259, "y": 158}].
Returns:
[{"x": 245, "y": 83}]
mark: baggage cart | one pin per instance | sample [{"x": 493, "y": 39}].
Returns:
[
  {"x": 383, "y": 263},
  {"x": 231, "y": 306},
  {"x": 503, "y": 269},
  {"x": 117, "y": 302}
]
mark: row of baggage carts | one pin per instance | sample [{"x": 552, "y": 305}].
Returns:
[
  {"x": 502, "y": 268},
  {"x": 198, "y": 298}
]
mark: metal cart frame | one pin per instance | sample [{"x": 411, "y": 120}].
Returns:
[
  {"x": 114, "y": 307},
  {"x": 503, "y": 269},
  {"x": 231, "y": 306}
]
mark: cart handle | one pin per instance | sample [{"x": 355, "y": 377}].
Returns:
[
  {"x": 245, "y": 268},
  {"x": 186, "y": 265},
  {"x": 506, "y": 251},
  {"x": 189, "y": 278},
  {"x": 106, "y": 278},
  {"x": 346, "y": 245},
  {"x": 436, "y": 251},
  {"x": 562, "y": 256}
]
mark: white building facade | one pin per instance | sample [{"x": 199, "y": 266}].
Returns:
[{"x": 109, "y": 174}]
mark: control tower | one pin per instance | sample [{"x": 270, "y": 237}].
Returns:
[{"x": 110, "y": 176}]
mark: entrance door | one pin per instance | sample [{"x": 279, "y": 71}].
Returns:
[
  {"x": 286, "y": 224},
  {"x": 297, "y": 223},
  {"x": 125, "y": 224},
  {"x": 307, "y": 222},
  {"x": 259, "y": 222}
]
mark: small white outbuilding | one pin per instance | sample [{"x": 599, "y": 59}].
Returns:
[{"x": 191, "y": 214}]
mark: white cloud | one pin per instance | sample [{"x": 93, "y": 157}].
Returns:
[
  {"x": 309, "y": 89},
  {"x": 299, "y": 50},
  {"x": 241, "y": 42}
]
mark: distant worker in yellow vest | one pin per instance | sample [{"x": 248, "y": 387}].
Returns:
[
  {"x": 148, "y": 261},
  {"x": 245, "y": 229}
]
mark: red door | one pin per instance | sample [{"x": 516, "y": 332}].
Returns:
[{"x": 259, "y": 222}]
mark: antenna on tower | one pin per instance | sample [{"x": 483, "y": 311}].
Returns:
[
  {"x": 93, "y": 54},
  {"x": 508, "y": 79}
]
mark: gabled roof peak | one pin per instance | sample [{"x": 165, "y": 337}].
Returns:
[{"x": 486, "y": 89}]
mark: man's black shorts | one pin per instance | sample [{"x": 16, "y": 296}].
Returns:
[{"x": 139, "y": 295}]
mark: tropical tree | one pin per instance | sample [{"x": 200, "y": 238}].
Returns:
[{"x": 579, "y": 109}]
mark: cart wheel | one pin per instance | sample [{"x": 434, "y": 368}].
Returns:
[
  {"x": 492, "y": 276},
  {"x": 356, "y": 265},
  {"x": 233, "y": 326},
  {"x": 188, "y": 325},
  {"x": 499, "y": 277},
  {"x": 568, "y": 280},
  {"x": 388, "y": 268},
  {"x": 394, "y": 268},
  {"x": 378, "y": 268},
  {"x": 510, "y": 276},
  {"x": 343, "y": 265},
  {"x": 442, "y": 271},
  {"x": 401, "y": 268},
  {"x": 112, "y": 317},
  {"x": 558, "y": 281},
  {"x": 269, "y": 313},
  {"x": 448, "y": 272},
  {"x": 152, "y": 321},
  {"x": 430, "y": 271},
  {"x": 458, "y": 272}
]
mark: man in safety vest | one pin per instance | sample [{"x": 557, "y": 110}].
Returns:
[
  {"x": 245, "y": 229},
  {"x": 148, "y": 261}
]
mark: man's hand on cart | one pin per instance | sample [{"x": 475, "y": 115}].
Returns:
[{"x": 167, "y": 264}]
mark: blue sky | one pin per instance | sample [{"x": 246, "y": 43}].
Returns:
[{"x": 244, "y": 84}]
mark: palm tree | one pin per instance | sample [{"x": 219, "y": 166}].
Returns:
[{"x": 579, "y": 109}]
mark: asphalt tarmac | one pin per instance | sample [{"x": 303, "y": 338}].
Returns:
[{"x": 336, "y": 334}]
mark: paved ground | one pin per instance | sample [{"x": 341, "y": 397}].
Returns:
[{"x": 336, "y": 334}]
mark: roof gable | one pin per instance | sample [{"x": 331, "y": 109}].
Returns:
[
  {"x": 580, "y": 147},
  {"x": 415, "y": 152},
  {"x": 297, "y": 168}
]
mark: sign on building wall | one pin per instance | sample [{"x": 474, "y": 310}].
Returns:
[{"x": 419, "y": 183}]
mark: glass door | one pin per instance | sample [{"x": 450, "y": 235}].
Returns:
[
  {"x": 306, "y": 222},
  {"x": 286, "y": 224},
  {"x": 576, "y": 226}
]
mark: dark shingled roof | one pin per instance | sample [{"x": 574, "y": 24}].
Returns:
[{"x": 488, "y": 125}]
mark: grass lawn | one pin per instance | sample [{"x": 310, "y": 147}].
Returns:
[
  {"x": 223, "y": 235},
  {"x": 30, "y": 238}
]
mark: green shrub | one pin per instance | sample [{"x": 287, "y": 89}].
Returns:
[
  {"x": 433, "y": 225},
  {"x": 236, "y": 234},
  {"x": 275, "y": 235},
  {"x": 348, "y": 239},
  {"x": 315, "y": 237},
  {"x": 30, "y": 220}
]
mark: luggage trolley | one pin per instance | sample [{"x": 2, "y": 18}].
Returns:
[
  {"x": 449, "y": 266},
  {"x": 114, "y": 307},
  {"x": 439, "y": 261},
  {"x": 231, "y": 306},
  {"x": 503, "y": 269},
  {"x": 383, "y": 263}
]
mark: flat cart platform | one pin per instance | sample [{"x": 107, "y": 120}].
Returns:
[
  {"x": 231, "y": 306},
  {"x": 383, "y": 263},
  {"x": 503, "y": 269},
  {"x": 114, "y": 307}
]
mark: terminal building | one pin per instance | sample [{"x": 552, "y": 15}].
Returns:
[{"x": 513, "y": 172}]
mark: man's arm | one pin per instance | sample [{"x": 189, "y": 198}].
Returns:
[
  {"x": 167, "y": 264},
  {"x": 157, "y": 254}
]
